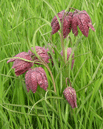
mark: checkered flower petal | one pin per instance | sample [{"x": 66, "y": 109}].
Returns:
[
  {"x": 20, "y": 65},
  {"x": 83, "y": 21},
  {"x": 35, "y": 77},
  {"x": 42, "y": 52},
  {"x": 67, "y": 23},
  {"x": 70, "y": 95}
]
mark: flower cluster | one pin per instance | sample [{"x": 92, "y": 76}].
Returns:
[
  {"x": 25, "y": 61},
  {"x": 34, "y": 76},
  {"x": 71, "y": 21}
]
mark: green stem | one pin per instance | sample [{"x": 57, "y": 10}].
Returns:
[
  {"x": 45, "y": 64},
  {"x": 62, "y": 39},
  {"x": 69, "y": 82},
  {"x": 51, "y": 37},
  {"x": 71, "y": 8},
  {"x": 51, "y": 76}
]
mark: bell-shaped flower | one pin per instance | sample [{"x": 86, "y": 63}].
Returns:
[
  {"x": 70, "y": 95},
  {"x": 42, "y": 52},
  {"x": 69, "y": 50},
  {"x": 35, "y": 77},
  {"x": 20, "y": 65},
  {"x": 83, "y": 21},
  {"x": 67, "y": 23}
]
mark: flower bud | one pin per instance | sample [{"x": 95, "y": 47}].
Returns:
[{"x": 70, "y": 96}]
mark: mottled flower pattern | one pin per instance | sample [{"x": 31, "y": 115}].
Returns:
[
  {"x": 35, "y": 77},
  {"x": 67, "y": 23},
  {"x": 42, "y": 52},
  {"x": 83, "y": 21},
  {"x": 70, "y": 96},
  {"x": 20, "y": 65},
  {"x": 71, "y": 21}
]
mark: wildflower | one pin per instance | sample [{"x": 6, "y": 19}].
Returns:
[
  {"x": 69, "y": 50},
  {"x": 67, "y": 22},
  {"x": 35, "y": 77},
  {"x": 70, "y": 96},
  {"x": 21, "y": 66},
  {"x": 42, "y": 52},
  {"x": 81, "y": 19}
]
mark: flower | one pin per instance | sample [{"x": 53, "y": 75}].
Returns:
[
  {"x": 69, "y": 50},
  {"x": 21, "y": 66},
  {"x": 81, "y": 19},
  {"x": 35, "y": 77},
  {"x": 42, "y": 52},
  {"x": 67, "y": 23},
  {"x": 70, "y": 96}
]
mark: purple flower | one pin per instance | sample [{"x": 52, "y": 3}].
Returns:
[
  {"x": 42, "y": 52},
  {"x": 21, "y": 66},
  {"x": 67, "y": 23},
  {"x": 81, "y": 19},
  {"x": 69, "y": 50},
  {"x": 35, "y": 77},
  {"x": 70, "y": 96}
]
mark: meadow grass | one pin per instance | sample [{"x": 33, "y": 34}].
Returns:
[{"x": 26, "y": 23}]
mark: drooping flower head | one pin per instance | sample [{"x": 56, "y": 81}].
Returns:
[
  {"x": 70, "y": 96},
  {"x": 83, "y": 21},
  {"x": 42, "y": 52},
  {"x": 69, "y": 50},
  {"x": 71, "y": 21},
  {"x": 35, "y": 77},
  {"x": 67, "y": 23},
  {"x": 20, "y": 65}
]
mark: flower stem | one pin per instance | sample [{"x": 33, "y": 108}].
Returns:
[
  {"x": 71, "y": 8},
  {"x": 51, "y": 36},
  {"x": 62, "y": 39},
  {"x": 69, "y": 38},
  {"x": 45, "y": 64},
  {"x": 51, "y": 77},
  {"x": 69, "y": 82}
]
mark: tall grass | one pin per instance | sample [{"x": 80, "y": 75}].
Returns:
[{"x": 27, "y": 23}]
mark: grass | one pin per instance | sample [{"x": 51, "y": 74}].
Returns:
[{"x": 27, "y": 23}]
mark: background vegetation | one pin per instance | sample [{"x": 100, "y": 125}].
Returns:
[{"x": 26, "y": 22}]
